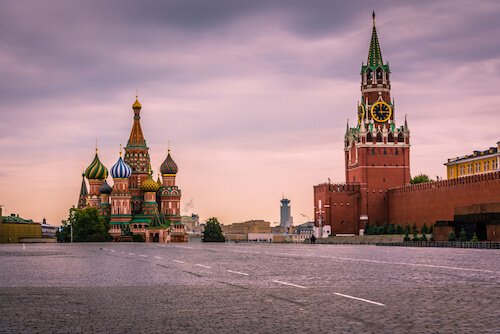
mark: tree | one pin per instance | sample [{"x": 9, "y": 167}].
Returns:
[
  {"x": 407, "y": 236},
  {"x": 420, "y": 178},
  {"x": 462, "y": 235},
  {"x": 399, "y": 229},
  {"x": 64, "y": 232},
  {"x": 87, "y": 226},
  {"x": 452, "y": 236},
  {"x": 415, "y": 232},
  {"x": 213, "y": 231},
  {"x": 474, "y": 238},
  {"x": 424, "y": 229}
]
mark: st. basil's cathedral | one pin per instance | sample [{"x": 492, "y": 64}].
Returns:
[{"x": 135, "y": 204}]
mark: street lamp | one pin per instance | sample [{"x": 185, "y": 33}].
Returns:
[
  {"x": 320, "y": 221},
  {"x": 306, "y": 216}
]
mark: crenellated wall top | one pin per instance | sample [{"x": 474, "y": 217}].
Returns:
[{"x": 472, "y": 179}]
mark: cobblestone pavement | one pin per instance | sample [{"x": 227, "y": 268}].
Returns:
[{"x": 247, "y": 288}]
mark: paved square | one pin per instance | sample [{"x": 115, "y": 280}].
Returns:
[{"x": 247, "y": 288}]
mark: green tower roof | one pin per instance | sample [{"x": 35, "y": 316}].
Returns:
[{"x": 374, "y": 54}]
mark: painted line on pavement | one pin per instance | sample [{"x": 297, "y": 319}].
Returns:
[
  {"x": 357, "y": 298},
  {"x": 238, "y": 272},
  {"x": 158, "y": 257},
  {"x": 203, "y": 266},
  {"x": 290, "y": 284},
  {"x": 144, "y": 255},
  {"x": 112, "y": 250},
  {"x": 131, "y": 254},
  {"x": 178, "y": 261},
  {"x": 413, "y": 264},
  {"x": 122, "y": 252}
]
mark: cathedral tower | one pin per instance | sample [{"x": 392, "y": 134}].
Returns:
[
  {"x": 82, "y": 198},
  {"x": 137, "y": 157},
  {"x": 96, "y": 173},
  {"x": 121, "y": 211},
  {"x": 170, "y": 194}
]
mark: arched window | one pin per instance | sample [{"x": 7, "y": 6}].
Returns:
[
  {"x": 401, "y": 138},
  {"x": 379, "y": 74},
  {"x": 369, "y": 74},
  {"x": 379, "y": 137},
  {"x": 369, "y": 137},
  {"x": 390, "y": 137}
]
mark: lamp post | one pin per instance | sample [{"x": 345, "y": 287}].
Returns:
[{"x": 320, "y": 221}]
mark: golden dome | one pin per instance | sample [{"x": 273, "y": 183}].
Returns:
[{"x": 137, "y": 104}]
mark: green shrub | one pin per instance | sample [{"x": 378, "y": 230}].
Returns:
[
  {"x": 462, "y": 235},
  {"x": 474, "y": 238},
  {"x": 452, "y": 236},
  {"x": 424, "y": 230},
  {"x": 399, "y": 229}
]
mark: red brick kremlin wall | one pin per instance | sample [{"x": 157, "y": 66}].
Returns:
[{"x": 433, "y": 201}]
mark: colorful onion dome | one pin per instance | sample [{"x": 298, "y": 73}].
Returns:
[
  {"x": 96, "y": 170},
  {"x": 121, "y": 170},
  {"x": 105, "y": 188},
  {"x": 169, "y": 166},
  {"x": 150, "y": 185},
  {"x": 137, "y": 104}
]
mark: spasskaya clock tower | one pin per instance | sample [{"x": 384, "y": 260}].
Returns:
[
  {"x": 377, "y": 155},
  {"x": 377, "y": 152}
]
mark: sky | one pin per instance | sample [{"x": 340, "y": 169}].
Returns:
[{"x": 252, "y": 95}]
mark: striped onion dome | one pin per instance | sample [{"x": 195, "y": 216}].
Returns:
[
  {"x": 121, "y": 170},
  {"x": 169, "y": 166},
  {"x": 105, "y": 188},
  {"x": 150, "y": 185},
  {"x": 96, "y": 170}
]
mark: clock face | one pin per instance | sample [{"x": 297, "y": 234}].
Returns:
[
  {"x": 381, "y": 112},
  {"x": 361, "y": 113}
]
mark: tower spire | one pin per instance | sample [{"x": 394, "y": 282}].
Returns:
[
  {"x": 136, "y": 137},
  {"x": 374, "y": 54},
  {"x": 82, "y": 198}
]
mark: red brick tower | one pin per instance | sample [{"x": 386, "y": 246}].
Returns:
[
  {"x": 377, "y": 155},
  {"x": 377, "y": 152}
]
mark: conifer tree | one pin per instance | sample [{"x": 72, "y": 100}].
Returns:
[{"x": 213, "y": 231}]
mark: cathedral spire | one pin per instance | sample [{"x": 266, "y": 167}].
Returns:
[
  {"x": 82, "y": 199},
  {"x": 136, "y": 136},
  {"x": 375, "y": 54}
]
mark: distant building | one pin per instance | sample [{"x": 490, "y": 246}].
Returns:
[
  {"x": 13, "y": 228},
  {"x": 48, "y": 231},
  {"x": 305, "y": 229},
  {"x": 479, "y": 162},
  {"x": 243, "y": 231},
  {"x": 285, "y": 214}
]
